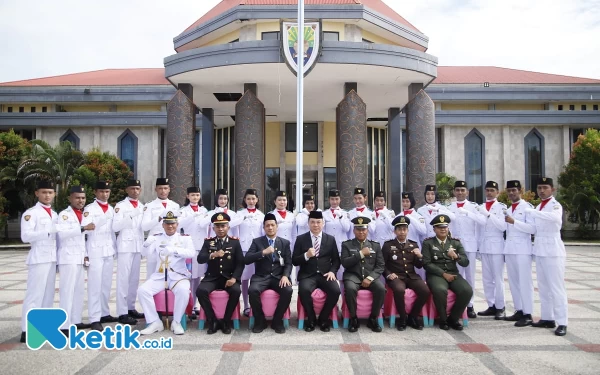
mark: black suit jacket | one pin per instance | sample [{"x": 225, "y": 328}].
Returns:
[
  {"x": 327, "y": 261},
  {"x": 265, "y": 265},
  {"x": 228, "y": 266}
]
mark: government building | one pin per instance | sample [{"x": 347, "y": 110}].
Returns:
[{"x": 379, "y": 112}]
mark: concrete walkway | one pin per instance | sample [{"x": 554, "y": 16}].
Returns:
[{"x": 485, "y": 347}]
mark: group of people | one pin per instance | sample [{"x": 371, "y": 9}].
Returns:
[{"x": 430, "y": 250}]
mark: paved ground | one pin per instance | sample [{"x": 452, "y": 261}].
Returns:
[{"x": 485, "y": 347}]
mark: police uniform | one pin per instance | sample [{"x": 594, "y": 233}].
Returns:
[
  {"x": 100, "y": 249},
  {"x": 466, "y": 227},
  {"x": 383, "y": 218},
  {"x": 171, "y": 270},
  {"x": 71, "y": 253},
  {"x": 431, "y": 210},
  {"x": 128, "y": 223},
  {"x": 337, "y": 224},
  {"x": 151, "y": 222},
  {"x": 363, "y": 211},
  {"x": 417, "y": 229},
  {"x": 358, "y": 268},
  {"x": 518, "y": 257},
  {"x": 491, "y": 248},
  {"x": 438, "y": 262},
  {"x": 38, "y": 228},
  {"x": 269, "y": 269},
  {"x": 550, "y": 255},
  {"x": 401, "y": 261},
  {"x": 219, "y": 271}
]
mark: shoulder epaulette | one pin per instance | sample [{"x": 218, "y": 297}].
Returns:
[
  {"x": 234, "y": 238},
  {"x": 456, "y": 239},
  {"x": 158, "y": 234},
  {"x": 503, "y": 205},
  {"x": 208, "y": 238},
  {"x": 185, "y": 234},
  {"x": 428, "y": 238}
]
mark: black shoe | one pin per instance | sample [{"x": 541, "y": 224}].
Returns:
[
  {"x": 471, "y": 312},
  {"x": 401, "y": 324},
  {"x": 454, "y": 324},
  {"x": 126, "y": 319},
  {"x": 226, "y": 326},
  {"x": 325, "y": 326},
  {"x": 96, "y": 326},
  {"x": 23, "y": 337},
  {"x": 491, "y": 311},
  {"x": 415, "y": 322},
  {"x": 444, "y": 326},
  {"x": 213, "y": 327},
  {"x": 544, "y": 324},
  {"x": 374, "y": 325},
  {"x": 108, "y": 319},
  {"x": 259, "y": 326},
  {"x": 65, "y": 332},
  {"x": 309, "y": 326},
  {"x": 82, "y": 325},
  {"x": 279, "y": 328},
  {"x": 514, "y": 317},
  {"x": 500, "y": 314},
  {"x": 561, "y": 331},
  {"x": 135, "y": 314},
  {"x": 354, "y": 325},
  {"x": 525, "y": 320}
]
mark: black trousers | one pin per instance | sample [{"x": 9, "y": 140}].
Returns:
[
  {"x": 399, "y": 286},
  {"x": 206, "y": 287},
  {"x": 308, "y": 285},
  {"x": 351, "y": 292},
  {"x": 259, "y": 284}
]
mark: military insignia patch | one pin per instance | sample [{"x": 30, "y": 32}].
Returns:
[
  {"x": 422, "y": 220},
  {"x": 212, "y": 243},
  {"x": 27, "y": 217},
  {"x": 555, "y": 207},
  {"x": 360, "y": 220},
  {"x": 117, "y": 209},
  {"x": 86, "y": 214},
  {"x": 65, "y": 217},
  {"x": 442, "y": 219}
]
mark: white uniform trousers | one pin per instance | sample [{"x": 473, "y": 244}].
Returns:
[
  {"x": 151, "y": 287},
  {"x": 518, "y": 269},
  {"x": 99, "y": 284},
  {"x": 469, "y": 272},
  {"x": 551, "y": 287},
  {"x": 492, "y": 272},
  {"x": 71, "y": 291},
  {"x": 151, "y": 263},
  {"x": 128, "y": 281},
  {"x": 40, "y": 288}
]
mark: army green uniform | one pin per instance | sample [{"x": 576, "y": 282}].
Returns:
[{"x": 437, "y": 262}]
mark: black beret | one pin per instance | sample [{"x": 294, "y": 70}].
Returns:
[
  {"x": 334, "y": 193},
  {"x": 280, "y": 193},
  {"x": 44, "y": 184},
  {"x": 491, "y": 185},
  {"x": 545, "y": 181},
  {"x": 221, "y": 192},
  {"x": 77, "y": 189},
  {"x": 513, "y": 184},
  {"x": 102, "y": 185},
  {"x": 379, "y": 194},
  {"x": 133, "y": 183},
  {"x": 359, "y": 191},
  {"x": 162, "y": 181},
  {"x": 460, "y": 184},
  {"x": 251, "y": 192},
  {"x": 407, "y": 195},
  {"x": 430, "y": 188},
  {"x": 193, "y": 189}
]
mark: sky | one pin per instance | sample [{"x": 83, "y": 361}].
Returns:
[{"x": 52, "y": 37}]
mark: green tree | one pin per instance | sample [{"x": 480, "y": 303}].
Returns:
[
  {"x": 445, "y": 187},
  {"x": 580, "y": 182},
  {"x": 12, "y": 149}
]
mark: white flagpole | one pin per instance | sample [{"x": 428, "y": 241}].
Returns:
[{"x": 300, "y": 109}]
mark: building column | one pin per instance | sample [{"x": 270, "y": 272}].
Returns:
[
  {"x": 207, "y": 155},
  {"x": 420, "y": 141},
  {"x": 181, "y": 128},
  {"x": 351, "y": 137},
  {"x": 249, "y": 133},
  {"x": 394, "y": 163}
]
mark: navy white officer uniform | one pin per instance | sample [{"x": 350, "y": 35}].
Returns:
[
  {"x": 269, "y": 269},
  {"x": 38, "y": 228},
  {"x": 383, "y": 217},
  {"x": 225, "y": 263}
]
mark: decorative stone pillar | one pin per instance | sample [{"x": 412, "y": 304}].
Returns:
[
  {"x": 351, "y": 134},
  {"x": 394, "y": 163},
  {"x": 181, "y": 123},
  {"x": 420, "y": 144},
  {"x": 249, "y": 133},
  {"x": 207, "y": 163}
]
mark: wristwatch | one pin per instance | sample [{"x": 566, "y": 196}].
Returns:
[{"x": 82, "y": 229}]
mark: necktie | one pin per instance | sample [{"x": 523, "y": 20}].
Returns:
[
  {"x": 488, "y": 205},
  {"x": 443, "y": 243},
  {"x": 273, "y": 253},
  {"x": 333, "y": 212},
  {"x": 134, "y": 203},
  {"x": 544, "y": 202},
  {"x": 164, "y": 204},
  {"x": 104, "y": 206},
  {"x": 316, "y": 246},
  {"x": 514, "y": 205},
  {"x": 460, "y": 205}
]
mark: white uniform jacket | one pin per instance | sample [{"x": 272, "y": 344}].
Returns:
[
  {"x": 466, "y": 225},
  {"x": 36, "y": 225},
  {"x": 548, "y": 222},
  {"x": 518, "y": 235},
  {"x": 71, "y": 240},
  {"x": 179, "y": 246},
  {"x": 337, "y": 226},
  {"x": 128, "y": 222},
  {"x": 101, "y": 241},
  {"x": 491, "y": 240}
]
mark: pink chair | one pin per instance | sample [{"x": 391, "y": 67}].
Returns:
[
  {"x": 269, "y": 299},
  {"x": 364, "y": 300},
  {"x": 218, "y": 299},
  {"x": 159, "y": 301},
  {"x": 389, "y": 306},
  {"x": 318, "y": 297},
  {"x": 433, "y": 314}
]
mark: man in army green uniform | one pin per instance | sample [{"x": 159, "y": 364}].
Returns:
[
  {"x": 225, "y": 266},
  {"x": 363, "y": 263},
  {"x": 441, "y": 254}
]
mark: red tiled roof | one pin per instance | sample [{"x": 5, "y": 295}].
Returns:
[
  {"x": 493, "y": 74},
  {"x": 106, "y": 77},
  {"x": 376, "y": 5},
  {"x": 446, "y": 75}
]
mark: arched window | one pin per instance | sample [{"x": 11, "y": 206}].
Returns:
[
  {"x": 70, "y": 136},
  {"x": 127, "y": 150},
  {"x": 475, "y": 165},
  {"x": 534, "y": 158}
]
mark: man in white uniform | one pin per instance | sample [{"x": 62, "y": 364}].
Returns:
[
  {"x": 38, "y": 227},
  {"x": 152, "y": 217},
  {"x": 382, "y": 217},
  {"x": 128, "y": 222},
  {"x": 550, "y": 254},
  {"x": 172, "y": 249}
]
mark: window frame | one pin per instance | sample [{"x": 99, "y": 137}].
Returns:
[
  {"x": 126, "y": 133},
  {"x": 316, "y": 136},
  {"x": 278, "y": 33},
  {"x": 70, "y": 133},
  {"x": 473, "y": 195},
  {"x": 331, "y": 33},
  {"x": 534, "y": 133}
]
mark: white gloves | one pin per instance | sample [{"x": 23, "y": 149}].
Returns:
[
  {"x": 53, "y": 229},
  {"x": 463, "y": 211},
  {"x": 433, "y": 208},
  {"x": 135, "y": 213}
]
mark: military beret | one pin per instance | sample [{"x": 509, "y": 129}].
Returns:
[
  {"x": 460, "y": 184},
  {"x": 220, "y": 218},
  {"x": 361, "y": 222},
  {"x": 513, "y": 184},
  {"x": 193, "y": 189},
  {"x": 102, "y": 185},
  {"x": 401, "y": 220},
  {"x": 491, "y": 185},
  {"x": 440, "y": 221},
  {"x": 545, "y": 181}
]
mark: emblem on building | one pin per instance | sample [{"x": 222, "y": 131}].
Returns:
[{"x": 291, "y": 50}]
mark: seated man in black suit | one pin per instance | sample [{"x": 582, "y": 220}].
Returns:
[
  {"x": 272, "y": 260},
  {"x": 225, "y": 266},
  {"x": 363, "y": 265},
  {"x": 317, "y": 255}
]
